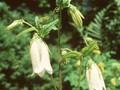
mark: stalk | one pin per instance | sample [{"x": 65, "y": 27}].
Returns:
[
  {"x": 54, "y": 84},
  {"x": 59, "y": 50}
]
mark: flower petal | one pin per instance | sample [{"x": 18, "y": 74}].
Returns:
[
  {"x": 35, "y": 52},
  {"x": 40, "y": 56},
  {"x": 94, "y": 78},
  {"x": 45, "y": 58}
]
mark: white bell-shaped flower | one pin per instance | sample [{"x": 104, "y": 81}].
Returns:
[
  {"x": 94, "y": 77},
  {"x": 40, "y": 56}
]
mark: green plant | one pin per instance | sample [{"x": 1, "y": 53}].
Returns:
[{"x": 39, "y": 50}]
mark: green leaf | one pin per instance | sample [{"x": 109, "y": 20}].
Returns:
[
  {"x": 37, "y": 21},
  {"x": 94, "y": 28},
  {"x": 25, "y": 31},
  {"x": 73, "y": 78},
  {"x": 63, "y": 3},
  {"x": 48, "y": 27}
]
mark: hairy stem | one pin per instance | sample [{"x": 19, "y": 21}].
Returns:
[
  {"x": 59, "y": 51},
  {"x": 80, "y": 73},
  {"x": 79, "y": 78},
  {"x": 60, "y": 77},
  {"x": 30, "y": 25},
  {"x": 54, "y": 84}
]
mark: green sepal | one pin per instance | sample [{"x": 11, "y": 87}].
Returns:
[{"x": 45, "y": 30}]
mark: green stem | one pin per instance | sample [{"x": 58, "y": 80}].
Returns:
[
  {"x": 80, "y": 73},
  {"x": 60, "y": 77},
  {"x": 30, "y": 25},
  {"x": 79, "y": 78},
  {"x": 54, "y": 84},
  {"x": 85, "y": 41},
  {"x": 59, "y": 51}
]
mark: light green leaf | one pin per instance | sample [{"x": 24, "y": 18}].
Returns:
[
  {"x": 45, "y": 30},
  {"x": 25, "y": 31}
]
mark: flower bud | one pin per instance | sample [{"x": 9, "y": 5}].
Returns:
[
  {"x": 76, "y": 16},
  {"x": 77, "y": 64},
  {"x": 40, "y": 56},
  {"x": 97, "y": 52},
  {"x": 14, "y": 24},
  {"x": 94, "y": 77},
  {"x": 63, "y": 52},
  {"x": 114, "y": 81}
]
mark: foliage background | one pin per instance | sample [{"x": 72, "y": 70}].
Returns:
[{"x": 15, "y": 65}]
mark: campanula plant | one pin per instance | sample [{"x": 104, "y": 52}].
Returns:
[{"x": 40, "y": 52}]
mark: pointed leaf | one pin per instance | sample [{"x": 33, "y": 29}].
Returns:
[{"x": 25, "y": 31}]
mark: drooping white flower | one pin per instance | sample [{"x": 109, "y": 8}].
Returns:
[
  {"x": 40, "y": 56},
  {"x": 94, "y": 77}
]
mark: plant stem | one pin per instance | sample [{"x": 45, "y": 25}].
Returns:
[
  {"x": 79, "y": 78},
  {"x": 60, "y": 77},
  {"x": 59, "y": 51},
  {"x": 80, "y": 73},
  {"x": 29, "y": 25},
  {"x": 54, "y": 84}
]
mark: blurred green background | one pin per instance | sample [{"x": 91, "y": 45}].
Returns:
[{"x": 103, "y": 16}]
